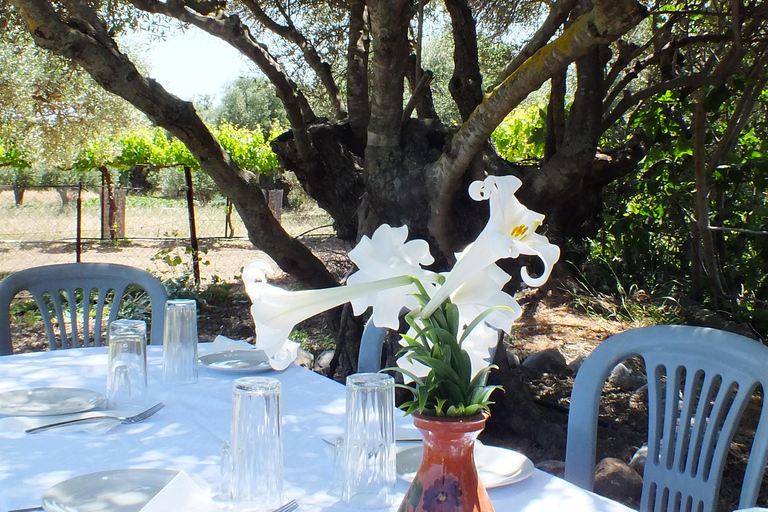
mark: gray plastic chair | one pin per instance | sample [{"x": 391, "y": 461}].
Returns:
[
  {"x": 699, "y": 383},
  {"x": 58, "y": 285},
  {"x": 369, "y": 358}
]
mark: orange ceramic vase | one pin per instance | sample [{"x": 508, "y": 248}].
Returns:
[{"x": 447, "y": 480}]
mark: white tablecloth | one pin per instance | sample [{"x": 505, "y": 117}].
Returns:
[{"x": 188, "y": 435}]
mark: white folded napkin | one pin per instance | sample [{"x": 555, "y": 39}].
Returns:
[
  {"x": 222, "y": 343},
  {"x": 279, "y": 361},
  {"x": 12, "y": 427},
  {"x": 181, "y": 494}
]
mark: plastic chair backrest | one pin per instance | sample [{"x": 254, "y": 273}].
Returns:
[
  {"x": 369, "y": 358},
  {"x": 75, "y": 284},
  {"x": 699, "y": 383}
]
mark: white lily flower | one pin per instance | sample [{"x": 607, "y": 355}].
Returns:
[
  {"x": 276, "y": 311},
  {"x": 509, "y": 233},
  {"x": 387, "y": 254}
]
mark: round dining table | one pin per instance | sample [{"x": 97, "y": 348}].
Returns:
[{"x": 190, "y": 432}]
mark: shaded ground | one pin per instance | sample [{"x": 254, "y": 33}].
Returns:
[{"x": 549, "y": 321}]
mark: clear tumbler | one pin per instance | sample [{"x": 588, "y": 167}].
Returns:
[
  {"x": 369, "y": 447},
  {"x": 256, "y": 445},
  {"x": 180, "y": 342},
  {"x": 127, "y": 372}
]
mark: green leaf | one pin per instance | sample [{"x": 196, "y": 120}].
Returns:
[{"x": 440, "y": 368}]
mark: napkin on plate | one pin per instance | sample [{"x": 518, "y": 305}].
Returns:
[
  {"x": 279, "y": 361},
  {"x": 181, "y": 493},
  {"x": 222, "y": 343}
]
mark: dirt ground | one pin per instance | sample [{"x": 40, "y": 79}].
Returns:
[{"x": 549, "y": 321}]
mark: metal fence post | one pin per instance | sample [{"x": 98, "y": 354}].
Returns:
[
  {"x": 192, "y": 228},
  {"x": 78, "y": 247}
]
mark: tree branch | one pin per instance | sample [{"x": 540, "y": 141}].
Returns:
[
  {"x": 232, "y": 31},
  {"x": 608, "y": 20},
  {"x": 117, "y": 74},
  {"x": 629, "y": 100},
  {"x": 558, "y": 14},
  {"x": 466, "y": 84},
  {"x": 290, "y": 33},
  {"x": 357, "y": 70}
]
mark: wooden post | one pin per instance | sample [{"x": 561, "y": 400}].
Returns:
[
  {"x": 274, "y": 199},
  {"x": 192, "y": 228}
]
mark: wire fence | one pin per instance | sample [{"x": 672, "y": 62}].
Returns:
[{"x": 51, "y": 225}]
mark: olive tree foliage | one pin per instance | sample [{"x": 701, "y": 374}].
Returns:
[
  {"x": 49, "y": 106},
  {"x": 248, "y": 102}
]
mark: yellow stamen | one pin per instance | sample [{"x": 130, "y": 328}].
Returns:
[{"x": 519, "y": 231}]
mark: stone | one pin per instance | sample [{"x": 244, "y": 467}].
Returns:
[
  {"x": 553, "y": 467},
  {"x": 626, "y": 378},
  {"x": 614, "y": 479},
  {"x": 546, "y": 361},
  {"x": 576, "y": 364},
  {"x": 639, "y": 398},
  {"x": 305, "y": 358},
  {"x": 323, "y": 361},
  {"x": 638, "y": 460},
  {"x": 512, "y": 358}
]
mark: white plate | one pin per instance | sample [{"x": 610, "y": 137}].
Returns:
[
  {"x": 496, "y": 466},
  {"x": 48, "y": 401},
  {"x": 120, "y": 490},
  {"x": 238, "y": 361}
]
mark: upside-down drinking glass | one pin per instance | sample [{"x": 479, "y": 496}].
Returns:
[
  {"x": 180, "y": 342},
  {"x": 256, "y": 445},
  {"x": 369, "y": 445},
  {"x": 127, "y": 372}
]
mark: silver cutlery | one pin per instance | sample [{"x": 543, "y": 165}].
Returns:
[
  {"x": 123, "y": 419},
  {"x": 30, "y": 509},
  {"x": 291, "y": 505}
]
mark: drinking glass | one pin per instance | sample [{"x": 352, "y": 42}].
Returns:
[
  {"x": 127, "y": 372},
  {"x": 256, "y": 445},
  {"x": 369, "y": 447},
  {"x": 180, "y": 342}
]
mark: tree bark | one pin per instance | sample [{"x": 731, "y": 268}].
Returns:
[
  {"x": 708, "y": 256},
  {"x": 383, "y": 154},
  {"x": 425, "y": 105},
  {"x": 357, "y": 71},
  {"x": 466, "y": 84},
  {"x": 555, "y": 115}
]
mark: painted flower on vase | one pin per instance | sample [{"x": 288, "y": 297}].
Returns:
[{"x": 444, "y": 495}]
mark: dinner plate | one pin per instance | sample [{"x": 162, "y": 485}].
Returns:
[
  {"x": 496, "y": 466},
  {"x": 238, "y": 361},
  {"x": 48, "y": 401},
  {"x": 120, "y": 490}
]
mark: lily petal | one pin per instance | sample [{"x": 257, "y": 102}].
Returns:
[
  {"x": 510, "y": 232},
  {"x": 387, "y": 254},
  {"x": 276, "y": 311}
]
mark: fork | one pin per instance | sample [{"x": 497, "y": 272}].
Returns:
[
  {"x": 123, "y": 419},
  {"x": 288, "y": 507}
]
